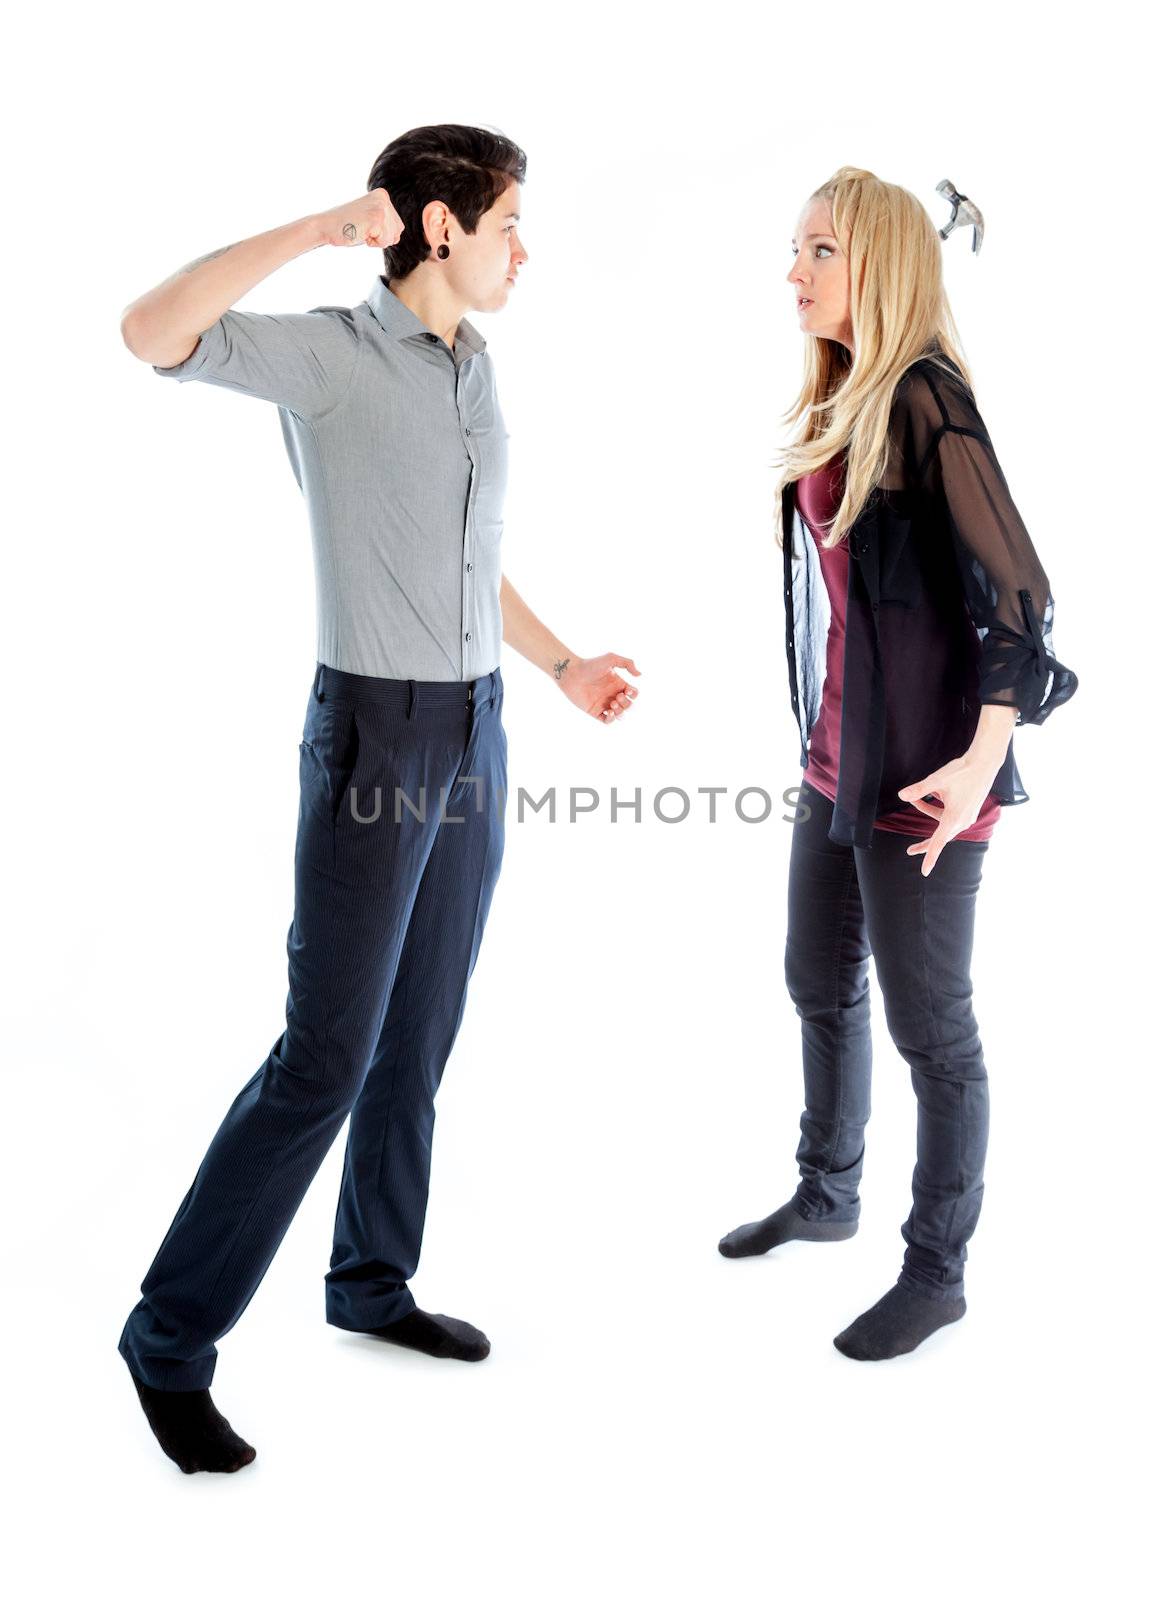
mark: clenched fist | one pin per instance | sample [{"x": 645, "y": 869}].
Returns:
[{"x": 370, "y": 219}]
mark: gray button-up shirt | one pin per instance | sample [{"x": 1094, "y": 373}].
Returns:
[{"x": 399, "y": 447}]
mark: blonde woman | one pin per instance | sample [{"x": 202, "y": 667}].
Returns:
[{"x": 919, "y": 635}]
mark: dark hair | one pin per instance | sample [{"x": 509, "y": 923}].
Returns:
[{"x": 468, "y": 168}]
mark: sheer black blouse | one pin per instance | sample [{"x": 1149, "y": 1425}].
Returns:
[{"x": 948, "y": 609}]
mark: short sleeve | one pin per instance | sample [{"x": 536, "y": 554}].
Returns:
[
  {"x": 301, "y": 360},
  {"x": 1006, "y": 588}
]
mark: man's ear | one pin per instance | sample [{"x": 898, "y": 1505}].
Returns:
[{"x": 434, "y": 219}]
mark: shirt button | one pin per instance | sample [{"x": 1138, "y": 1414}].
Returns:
[
  {"x": 467, "y": 637},
  {"x": 431, "y": 337},
  {"x": 468, "y": 433},
  {"x": 468, "y": 568}
]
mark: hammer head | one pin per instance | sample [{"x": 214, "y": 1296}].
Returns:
[{"x": 964, "y": 214}]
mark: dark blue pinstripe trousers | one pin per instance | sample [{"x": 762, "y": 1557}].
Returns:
[{"x": 399, "y": 843}]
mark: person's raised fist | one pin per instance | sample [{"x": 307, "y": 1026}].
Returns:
[{"x": 370, "y": 219}]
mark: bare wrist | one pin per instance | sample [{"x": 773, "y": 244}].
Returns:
[
  {"x": 314, "y": 230},
  {"x": 987, "y": 751},
  {"x": 992, "y": 735}
]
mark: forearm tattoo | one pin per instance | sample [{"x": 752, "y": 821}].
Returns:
[
  {"x": 559, "y": 666},
  {"x": 211, "y": 256}
]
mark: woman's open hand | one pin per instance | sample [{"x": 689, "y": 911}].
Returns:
[{"x": 963, "y": 786}]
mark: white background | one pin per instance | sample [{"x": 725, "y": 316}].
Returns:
[{"x": 653, "y": 1419}]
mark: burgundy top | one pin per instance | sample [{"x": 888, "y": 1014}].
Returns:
[{"x": 818, "y": 496}]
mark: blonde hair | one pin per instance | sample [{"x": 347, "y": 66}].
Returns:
[{"x": 899, "y": 312}]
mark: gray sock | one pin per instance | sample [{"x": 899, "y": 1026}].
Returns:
[
  {"x": 754, "y": 1238},
  {"x": 898, "y": 1323}
]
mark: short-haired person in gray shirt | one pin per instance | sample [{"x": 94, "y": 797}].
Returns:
[{"x": 394, "y": 433}]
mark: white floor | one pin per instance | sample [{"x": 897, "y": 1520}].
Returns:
[{"x": 653, "y": 1418}]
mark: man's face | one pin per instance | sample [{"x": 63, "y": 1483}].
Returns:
[{"x": 484, "y": 265}]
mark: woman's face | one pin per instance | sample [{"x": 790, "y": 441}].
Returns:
[{"x": 820, "y": 276}]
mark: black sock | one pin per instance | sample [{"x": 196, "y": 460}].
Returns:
[
  {"x": 896, "y": 1324},
  {"x": 191, "y": 1431},
  {"x": 436, "y": 1335},
  {"x": 754, "y": 1238}
]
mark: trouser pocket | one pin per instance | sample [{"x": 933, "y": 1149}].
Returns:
[{"x": 328, "y": 756}]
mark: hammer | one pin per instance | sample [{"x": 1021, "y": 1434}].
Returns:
[{"x": 964, "y": 212}]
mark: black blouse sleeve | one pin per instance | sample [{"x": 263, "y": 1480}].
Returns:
[{"x": 1006, "y": 589}]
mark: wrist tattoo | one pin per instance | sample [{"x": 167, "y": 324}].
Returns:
[
  {"x": 559, "y": 666},
  {"x": 211, "y": 256},
  {"x": 349, "y": 232}
]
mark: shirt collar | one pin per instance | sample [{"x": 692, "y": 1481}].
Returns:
[{"x": 401, "y": 323}]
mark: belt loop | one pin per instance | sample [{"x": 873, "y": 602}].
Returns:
[
  {"x": 320, "y": 681},
  {"x": 411, "y": 697}
]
